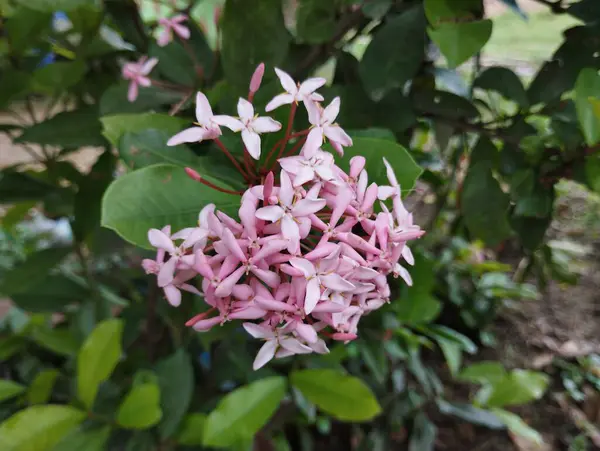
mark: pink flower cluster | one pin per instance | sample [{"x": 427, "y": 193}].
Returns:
[{"x": 311, "y": 250}]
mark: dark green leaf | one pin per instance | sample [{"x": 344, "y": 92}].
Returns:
[
  {"x": 25, "y": 27},
  {"x": 176, "y": 381},
  {"x": 117, "y": 125},
  {"x": 417, "y": 305},
  {"x": 191, "y": 432},
  {"x": 70, "y": 129},
  {"x": 439, "y": 11},
  {"x": 155, "y": 196},
  {"x": 51, "y": 294},
  {"x": 241, "y": 413},
  {"x": 315, "y": 21},
  {"x": 57, "y": 77},
  {"x": 10, "y": 389},
  {"x": 14, "y": 84},
  {"x": 114, "y": 100},
  {"x": 21, "y": 186},
  {"x": 399, "y": 66},
  {"x": 471, "y": 414},
  {"x": 60, "y": 341},
  {"x": 51, "y": 6},
  {"x": 485, "y": 205},
  {"x": 40, "y": 390},
  {"x": 85, "y": 440},
  {"x": 424, "y": 433},
  {"x": 460, "y": 41},
  {"x": 246, "y": 43},
  {"x": 452, "y": 353},
  {"x": 587, "y": 88},
  {"x": 141, "y": 407},
  {"x": 38, "y": 428},
  {"x": 505, "y": 82},
  {"x": 98, "y": 358},
  {"x": 174, "y": 63},
  {"x": 444, "y": 104},
  {"x": 345, "y": 397}
]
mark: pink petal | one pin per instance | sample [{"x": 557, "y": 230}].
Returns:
[
  {"x": 252, "y": 143},
  {"x": 269, "y": 277},
  {"x": 167, "y": 273},
  {"x": 278, "y": 100},
  {"x": 251, "y": 312},
  {"x": 203, "y": 110},
  {"x": 306, "y": 207},
  {"x": 258, "y": 331},
  {"x": 265, "y": 125},
  {"x": 314, "y": 141},
  {"x": 390, "y": 173},
  {"x": 363, "y": 273},
  {"x": 331, "y": 111},
  {"x": 408, "y": 256},
  {"x": 132, "y": 92},
  {"x": 148, "y": 66},
  {"x": 336, "y": 282},
  {"x": 226, "y": 286},
  {"x": 310, "y": 85},
  {"x": 385, "y": 192},
  {"x": 306, "y": 332},
  {"x": 207, "y": 324},
  {"x": 159, "y": 239},
  {"x": 337, "y": 135},
  {"x": 173, "y": 295},
  {"x": 294, "y": 346},
  {"x": 164, "y": 37},
  {"x": 257, "y": 77},
  {"x": 265, "y": 354},
  {"x": 286, "y": 191},
  {"x": 307, "y": 268},
  {"x": 289, "y": 228},
  {"x": 233, "y": 124},
  {"x": 182, "y": 31},
  {"x": 287, "y": 82},
  {"x": 313, "y": 294},
  {"x": 232, "y": 244},
  {"x": 329, "y": 307},
  {"x": 402, "y": 272},
  {"x": 304, "y": 175},
  {"x": 270, "y": 248},
  {"x": 314, "y": 112},
  {"x": 271, "y": 213},
  {"x": 277, "y": 306},
  {"x": 189, "y": 135},
  {"x": 321, "y": 251},
  {"x": 245, "y": 109}
]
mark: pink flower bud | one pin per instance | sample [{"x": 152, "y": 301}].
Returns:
[
  {"x": 257, "y": 77},
  {"x": 194, "y": 175}
]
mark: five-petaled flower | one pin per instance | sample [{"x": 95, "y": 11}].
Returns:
[
  {"x": 206, "y": 128},
  {"x": 168, "y": 26},
  {"x": 302, "y": 92},
  {"x": 137, "y": 74}
]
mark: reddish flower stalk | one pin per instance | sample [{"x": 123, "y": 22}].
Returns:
[
  {"x": 194, "y": 175},
  {"x": 232, "y": 159}
]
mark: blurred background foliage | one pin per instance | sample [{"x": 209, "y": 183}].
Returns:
[{"x": 501, "y": 113}]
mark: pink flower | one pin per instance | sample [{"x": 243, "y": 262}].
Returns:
[
  {"x": 296, "y": 92},
  {"x": 257, "y": 77},
  {"x": 206, "y": 128},
  {"x": 319, "y": 165},
  {"x": 251, "y": 126},
  {"x": 277, "y": 344},
  {"x": 170, "y": 26},
  {"x": 137, "y": 74},
  {"x": 323, "y": 121}
]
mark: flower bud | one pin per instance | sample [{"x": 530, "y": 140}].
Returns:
[{"x": 257, "y": 77}]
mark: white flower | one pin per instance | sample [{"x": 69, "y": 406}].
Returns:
[
  {"x": 296, "y": 92},
  {"x": 323, "y": 121},
  {"x": 206, "y": 128}
]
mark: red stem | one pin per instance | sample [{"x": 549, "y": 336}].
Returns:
[
  {"x": 295, "y": 148},
  {"x": 233, "y": 160}
]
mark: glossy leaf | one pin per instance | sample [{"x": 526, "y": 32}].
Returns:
[
  {"x": 115, "y": 126},
  {"x": 98, "y": 358},
  {"x": 587, "y": 89},
  {"x": 114, "y": 100},
  {"x": 417, "y": 305},
  {"x": 38, "y": 428},
  {"x": 176, "y": 382},
  {"x": 51, "y": 294},
  {"x": 57, "y": 77},
  {"x": 155, "y": 196},
  {"x": 85, "y": 440},
  {"x": 460, "y": 41},
  {"x": 241, "y": 413},
  {"x": 10, "y": 389},
  {"x": 141, "y": 407},
  {"x": 518, "y": 387},
  {"x": 344, "y": 397},
  {"x": 408, "y": 29},
  {"x": 40, "y": 390}
]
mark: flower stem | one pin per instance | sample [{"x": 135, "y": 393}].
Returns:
[
  {"x": 232, "y": 159},
  {"x": 195, "y": 176},
  {"x": 296, "y": 147}
]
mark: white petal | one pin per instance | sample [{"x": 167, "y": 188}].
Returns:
[
  {"x": 314, "y": 140},
  {"x": 258, "y": 331},
  {"x": 278, "y": 100},
  {"x": 148, "y": 66},
  {"x": 286, "y": 191},
  {"x": 160, "y": 240},
  {"x": 303, "y": 265},
  {"x": 306, "y": 207},
  {"x": 304, "y": 175},
  {"x": 271, "y": 213},
  {"x": 294, "y": 346},
  {"x": 265, "y": 354},
  {"x": 314, "y": 112},
  {"x": 337, "y": 135},
  {"x": 245, "y": 109},
  {"x": 289, "y": 228},
  {"x": 313, "y": 294},
  {"x": 173, "y": 295},
  {"x": 408, "y": 255},
  {"x": 336, "y": 282},
  {"x": 331, "y": 111},
  {"x": 311, "y": 85},
  {"x": 203, "y": 110},
  {"x": 265, "y": 125},
  {"x": 287, "y": 82},
  {"x": 189, "y": 135},
  {"x": 252, "y": 143},
  {"x": 233, "y": 124}
]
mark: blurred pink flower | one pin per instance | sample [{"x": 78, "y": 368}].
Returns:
[{"x": 137, "y": 74}]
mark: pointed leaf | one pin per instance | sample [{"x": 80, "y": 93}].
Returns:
[
  {"x": 587, "y": 89},
  {"x": 141, "y": 407},
  {"x": 460, "y": 41},
  {"x": 115, "y": 126},
  {"x": 10, "y": 389},
  {"x": 40, "y": 390},
  {"x": 517, "y": 426}
]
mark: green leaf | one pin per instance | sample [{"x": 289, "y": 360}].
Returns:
[
  {"x": 155, "y": 196},
  {"x": 587, "y": 88},
  {"x": 85, "y": 440},
  {"x": 57, "y": 77},
  {"x": 241, "y": 413},
  {"x": 471, "y": 414},
  {"x": 25, "y": 28},
  {"x": 505, "y": 82},
  {"x": 345, "y": 397},
  {"x": 452, "y": 353},
  {"x": 592, "y": 172},
  {"x": 191, "y": 432},
  {"x": 400, "y": 66},
  {"x": 518, "y": 387},
  {"x": 50, "y": 6},
  {"x": 38, "y": 428},
  {"x": 40, "y": 390},
  {"x": 21, "y": 186},
  {"x": 51, "y": 294},
  {"x": 9, "y": 389},
  {"x": 517, "y": 426},
  {"x": 174, "y": 63},
  {"x": 69, "y": 129},
  {"x": 33, "y": 270},
  {"x": 460, "y": 41},
  {"x": 451, "y": 10},
  {"x": 483, "y": 373},
  {"x": 141, "y": 407},
  {"x": 14, "y": 84},
  {"x": 444, "y": 104},
  {"x": 417, "y": 305},
  {"x": 98, "y": 358},
  {"x": 117, "y": 125},
  {"x": 176, "y": 381},
  {"x": 423, "y": 435},
  {"x": 315, "y": 21},
  {"x": 114, "y": 100},
  {"x": 465, "y": 342},
  {"x": 375, "y": 150},
  {"x": 485, "y": 205},
  {"x": 246, "y": 43}
]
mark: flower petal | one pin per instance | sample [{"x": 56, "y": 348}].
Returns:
[
  {"x": 252, "y": 143},
  {"x": 148, "y": 66},
  {"x": 310, "y": 85},
  {"x": 206, "y": 324},
  {"x": 159, "y": 239},
  {"x": 203, "y": 110},
  {"x": 307, "y": 268},
  {"x": 336, "y": 282},
  {"x": 245, "y": 109},
  {"x": 336, "y": 134},
  {"x": 294, "y": 346},
  {"x": 132, "y": 92},
  {"x": 232, "y": 123},
  {"x": 289, "y": 228},
  {"x": 307, "y": 207},
  {"x": 173, "y": 295},
  {"x": 278, "y": 100},
  {"x": 265, "y": 124},
  {"x": 265, "y": 354},
  {"x": 271, "y": 213},
  {"x": 258, "y": 331},
  {"x": 287, "y": 82},
  {"x": 189, "y": 135},
  {"x": 313, "y": 294},
  {"x": 286, "y": 191},
  {"x": 331, "y": 111},
  {"x": 167, "y": 273},
  {"x": 306, "y": 332}
]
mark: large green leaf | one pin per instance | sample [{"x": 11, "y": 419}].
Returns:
[
  {"x": 587, "y": 89},
  {"x": 375, "y": 150},
  {"x": 460, "y": 41},
  {"x": 85, "y": 440},
  {"x": 517, "y": 426},
  {"x": 38, "y": 428},
  {"x": 51, "y": 6},
  {"x": 246, "y": 43},
  {"x": 155, "y": 196},
  {"x": 141, "y": 407},
  {"x": 505, "y": 82},
  {"x": 345, "y": 397},
  {"x": 51, "y": 294},
  {"x": 176, "y": 381},
  {"x": 9, "y": 389},
  {"x": 70, "y": 129},
  {"x": 241, "y": 414},
  {"x": 98, "y": 358},
  {"x": 57, "y": 77},
  {"x": 417, "y": 305},
  {"x": 20, "y": 186},
  {"x": 438, "y": 11},
  {"x": 40, "y": 390},
  {"x": 117, "y": 125},
  {"x": 14, "y": 84},
  {"x": 471, "y": 414},
  {"x": 400, "y": 46},
  {"x": 26, "y": 28},
  {"x": 174, "y": 63},
  {"x": 315, "y": 21},
  {"x": 485, "y": 205},
  {"x": 114, "y": 100}
]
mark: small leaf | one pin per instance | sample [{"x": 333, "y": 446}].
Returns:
[
  {"x": 452, "y": 353},
  {"x": 191, "y": 432},
  {"x": 10, "y": 389},
  {"x": 400, "y": 66},
  {"x": 518, "y": 387},
  {"x": 85, "y": 440},
  {"x": 586, "y": 89},
  {"x": 98, "y": 358},
  {"x": 38, "y": 428},
  {"x": 141, "y": 407},
  {"x": 471, "y": 414},
  {"x": 517, "y": 426},
  {"x": 40, "y": 390},
  {"x": 345, "y": 397},
  {"x": 460, "y": 41},
  {"x": 505, "y": 82},
  {"x": 155, "y": 196},
  {"x": 483, "y": 373},
  {"x": 241, "y": 413},
  {"x": 176, "y": 381}
]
